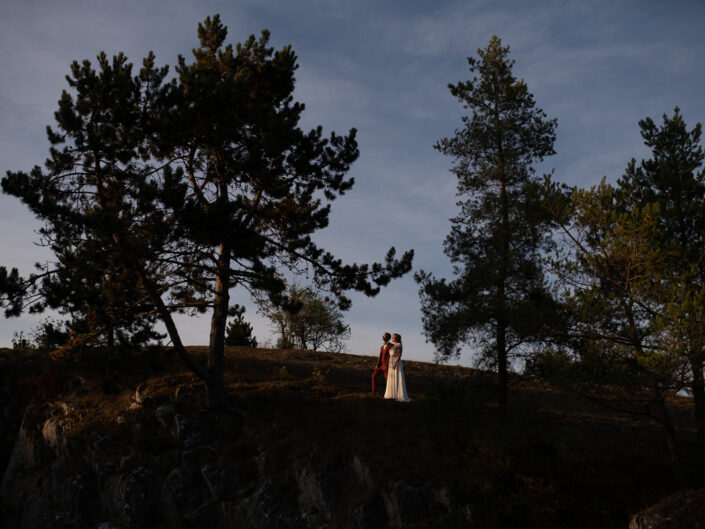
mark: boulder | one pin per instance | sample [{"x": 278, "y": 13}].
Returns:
[
  {"x": 140, "y": 396},
  {"x": 272, "y": 504},
  {"x": 362, "y": 471},
  {"x": 319, "y": 492},
  {"x": 131, "y": 498},
  {"x": 181, "y": 494},
  {"x": 372, "y": 514},
  {"x": 221, "y": 482},
  {"x": 207, "y": 515},
  {"x": 408, "y": 503},
  {"x": 51, "y": 432},
  {"x": 193, "y": 459},
  {"x": 191, "y": 431},
  {"x": 28, "y": 452},
  {"x": 682, "y": 510},
  {"x": 166, "y": 415}
]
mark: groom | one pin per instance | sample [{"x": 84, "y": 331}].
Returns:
[{"x": 383, "y": 362}]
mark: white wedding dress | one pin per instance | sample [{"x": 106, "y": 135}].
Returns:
[{"x": 396, "y": 383}]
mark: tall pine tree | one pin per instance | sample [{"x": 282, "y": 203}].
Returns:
[
  {"x": 498, "y": 299},
  {"x": 673, "y": 180},
  {"x": 93, "y": 189},
  {"x": 614, "y": 269},
  {"x": 255, "y": 185}
]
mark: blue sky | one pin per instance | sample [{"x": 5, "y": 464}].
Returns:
[{"x": 382, "y": 67}]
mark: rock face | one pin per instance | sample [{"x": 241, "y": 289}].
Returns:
[
  {"x": 683, "y": 510},
  {"x": 164, "y": 467}
]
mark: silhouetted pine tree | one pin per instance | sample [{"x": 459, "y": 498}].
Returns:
[
  {"x": 90, "y": 191},
  {"x": 195, "y": 186},
  {"x": 673, "y": 181},
  {"x": 498, "y": 299},
  {"x": 239, "y": 331}
]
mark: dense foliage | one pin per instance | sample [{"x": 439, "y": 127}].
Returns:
[
  {"x": 632, "y": 266},
  {"x": 313, "y": 322}
]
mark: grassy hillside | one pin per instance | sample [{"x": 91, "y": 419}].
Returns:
[{"x": 551, "y": 460}]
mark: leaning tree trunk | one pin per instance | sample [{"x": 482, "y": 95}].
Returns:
[{"x": 165, "y": 315}]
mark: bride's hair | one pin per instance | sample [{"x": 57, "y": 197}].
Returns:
[{"x": 398, "y": 337}]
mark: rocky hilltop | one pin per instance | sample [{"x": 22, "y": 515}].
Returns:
[{"x": 130, "y": 444}]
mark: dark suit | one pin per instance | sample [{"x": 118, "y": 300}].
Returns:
[{"x": 382, "y": 364}]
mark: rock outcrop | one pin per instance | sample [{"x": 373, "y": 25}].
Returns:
[
  {"x": 167, "y": 467},
  {"x": 682, "y": 510}
]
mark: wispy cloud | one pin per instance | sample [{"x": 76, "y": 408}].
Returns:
[{"x": 598, "y": 66}]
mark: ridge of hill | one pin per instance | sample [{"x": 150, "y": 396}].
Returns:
[{"x": 128, "y": 443}]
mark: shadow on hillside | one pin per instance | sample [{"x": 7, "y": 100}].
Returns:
[{"x": 551, "y": 460}]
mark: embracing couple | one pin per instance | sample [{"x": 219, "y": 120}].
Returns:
[{"x": 390, "y": 365}]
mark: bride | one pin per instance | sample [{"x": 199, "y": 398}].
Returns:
[{"x": 396, "y": 383}]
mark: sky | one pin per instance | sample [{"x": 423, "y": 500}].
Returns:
[{"x": 382, "y": 67}]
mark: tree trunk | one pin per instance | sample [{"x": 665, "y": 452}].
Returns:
[
  {"x": 664, "y": 418},
  {"x": 110, "y": 335},
  {"x": 698, "y": 389},
  {"x": 502, "y": 377},
  {"x": 216, "y": 352},
  {"x": 168, "y": 321}
]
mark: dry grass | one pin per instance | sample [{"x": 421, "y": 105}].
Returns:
[{"x": 551, "y": 460}]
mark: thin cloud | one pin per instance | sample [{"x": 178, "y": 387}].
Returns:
[{"x": 382, "y": 67}]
